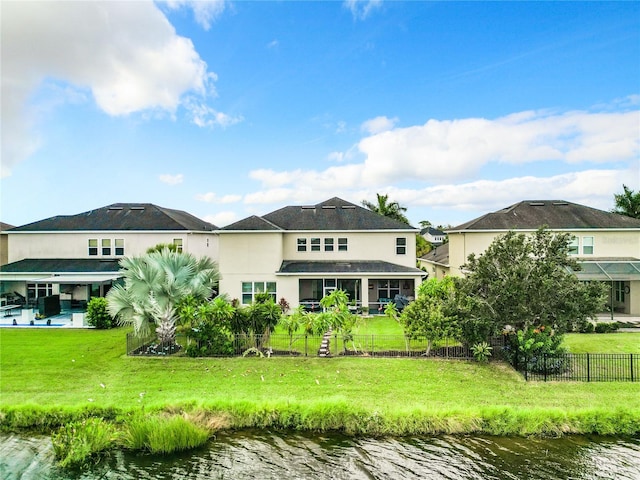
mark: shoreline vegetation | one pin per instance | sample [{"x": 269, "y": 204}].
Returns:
[{"x": 79, "y": 387}]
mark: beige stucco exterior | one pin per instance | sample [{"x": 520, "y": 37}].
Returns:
[
  {"x": 23, "y": 245},
  {"x": 251, "y": 256}
]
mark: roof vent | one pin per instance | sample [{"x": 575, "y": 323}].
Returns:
[
  {"x": 308, "y": 207},
  {"x": 536, "y": 204},
  {"x": 560, "y": 203},
  {"x": 115, "y": 208},
  {"x": 329, "y": 207},
  {"x": 348, "y": 206},
  {"x": 137, "y": 208}
]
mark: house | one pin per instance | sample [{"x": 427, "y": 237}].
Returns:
[
  {"x": 302, "y": 253},
  {"x": 4, "y": 249},
  {"x": 76, "y": 256},
  {"x": 433, "y": 235},
  {"x": 436, "y": 262},
  {"x": 606, "y": 245}
]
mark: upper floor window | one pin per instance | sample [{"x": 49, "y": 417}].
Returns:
[
  {"x": 401, "y": 245},
  {"x": 342, "y": 244},
  {"x": 178, "y": 243},
  {"x": 328, "y": 244},
  {"x": 315, "y": 244},
  {"x": 302, "y": 244},
  {"x": 574, "y": 246},
  {"x": 119, "y": 246},
  {"x": 93, "y": 246},
  {"x": 587, "y": 245},
  {"x": 106, "y": 246}
]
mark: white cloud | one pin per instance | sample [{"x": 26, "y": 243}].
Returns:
[
  {"x": 360, "y": 9},
  {"x": 211, "y": 197},
  {"x": 204, "y": 11},
  {"x": 273, "y": 44},
  {"x": 126, "y": 54},
  {"x": 171, "y": 179},
  {"x": 378, "y": 125},
  {"x": 221, "y": 219},
  {"x": 203, "y": 115}
]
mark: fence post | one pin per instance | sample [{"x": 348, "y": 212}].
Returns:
[
  {"x": 631, "y": 364},
  {"x": 544, "y": 365},
  {"x": 306, "y": 349},
  {"x": 588, "y": 369}
]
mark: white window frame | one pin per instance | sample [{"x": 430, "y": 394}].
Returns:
[
  {"x": 179, "y": 244},
  {"x": 588, "y": 242},
  {"x": 105, "y": 247},
  {"x": 574, "y": 246},
  {"x": 118, "y": 248},
  {"x": 93, "y": 247},
  {"x": 250, "y": 289},
  {"x": 302, "y": 244},
  {"x": 315, "y": 244},
  {"x": 343, "y": 244},
  {"x": 401, "y": 245},
  {"x": 329, "y": 244}
]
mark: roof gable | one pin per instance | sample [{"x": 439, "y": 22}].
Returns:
[
  {"x": 334, "y": 214},
  {"x": 121, "y": 216},
  {"x": 554, "y": 214}
]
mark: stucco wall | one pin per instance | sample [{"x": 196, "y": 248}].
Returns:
[{"x": 75, "y": 245}]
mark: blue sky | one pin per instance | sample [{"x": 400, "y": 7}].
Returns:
[{"x": 229, "y": 109}]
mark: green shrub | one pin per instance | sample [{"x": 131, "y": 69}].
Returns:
[
  {"x": 586, "y": 327},
  {"x": 163, "y": 434},
  {"x": 481, "y": 352},
  {"x": 97, "y": 314},
  {"x": 76, "y": 443},
  {"x": 529, "y": 348},
  {"x": 606, "y": 327}
]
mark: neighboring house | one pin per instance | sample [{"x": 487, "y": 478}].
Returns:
[
  {"x": 606, "y": 245},
  {"x": 436, "y": 262},
  {"x": 302, "y": 253},
  {"x": 434, "y": 236},
  {"x": 4, "y": 248},
  {"x": 76, "y": 256}
]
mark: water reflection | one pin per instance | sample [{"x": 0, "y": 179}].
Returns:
[{"x": 268, "y": 455}]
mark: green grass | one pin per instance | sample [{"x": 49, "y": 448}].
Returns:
[
  {"x": 621, "y": 342},
  {"x": 50, "y": 377}
]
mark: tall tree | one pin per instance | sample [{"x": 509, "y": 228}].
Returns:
[
  {"x": 627, "y": 202},
  {"x": 154, "y": 283},
  {"x": 525, "y": 281},
  {"x": 386, "y": 208}
]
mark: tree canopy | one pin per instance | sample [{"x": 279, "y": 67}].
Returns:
[
  {"x": 386, "y": 208},
  {"x": 524, "y": 281},
  {"x": 155, "y": 282},
  {"x": 627, "y": 202}
]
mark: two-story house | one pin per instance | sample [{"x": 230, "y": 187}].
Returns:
[
  {"x": 76, "y": 256},
  {"x": 606, "y": 245},
  {"x": 302, "y": 253}
]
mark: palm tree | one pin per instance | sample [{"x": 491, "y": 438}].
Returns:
[
  {"x": 154, "y": 283},
  {"x": 627, "y": 203},
  {"x": 386, "y": 208}
]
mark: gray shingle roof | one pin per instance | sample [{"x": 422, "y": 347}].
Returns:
[
  {"x": 330, "y": 215},
  {"x": 354, "y": 266},
  {"x": 5, "y": 226},
  {"x": 121, "y": 216},
  {"x": 61, "y": 265},
  {"x": 438, "y": 255},
  {"x": 554, "y": 214}
]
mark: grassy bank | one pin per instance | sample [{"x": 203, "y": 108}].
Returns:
[{"x": 52, "y": 377}]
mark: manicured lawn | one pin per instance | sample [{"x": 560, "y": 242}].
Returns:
[
  {"x": 621, "y": 342},
  {"x": 79, "y": 367}
]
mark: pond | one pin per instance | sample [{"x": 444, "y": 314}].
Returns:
[{"x": 277, "y": 455}]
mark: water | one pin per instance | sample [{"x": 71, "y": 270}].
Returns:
[{"x": 269, "y": 455}]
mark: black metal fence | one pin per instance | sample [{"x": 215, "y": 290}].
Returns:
[
  {"x": 310, "y": 345},
  {"x": 585, "y": 367}
]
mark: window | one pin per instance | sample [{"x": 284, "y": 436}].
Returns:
[
  {"x": 251, "y": 289},
  {"x": 93, "y": 246},
  {"x": 574, "y": 246},
  {"x": 619, "y": 291},
  {"x": 587, "y": 245},
  {"x": 119, "y": 246},
  {"x": 37, "y": 290},
  {"x": 178, "y": 243},
  {"x": 315, "y": 244},
  {"x": 302, "y": 244},
  {"x": 401, "y": 245},
  {"x": 342, "y": 244},
  {"x": 106, "y": 246},
  {"x": 328, "y": 244}
]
